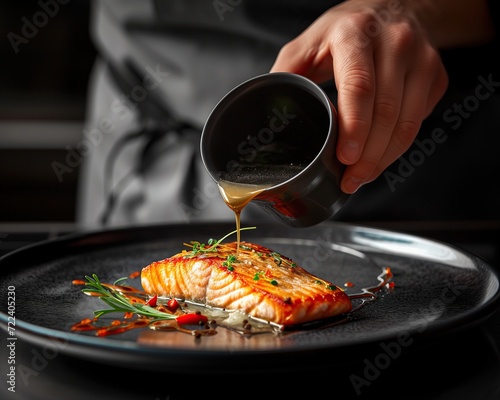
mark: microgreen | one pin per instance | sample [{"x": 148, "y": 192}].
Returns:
[
  {"x": 211, "y": 247},
  {"x": 231, "y": 258},
  {"x": 257, "y": 275}
]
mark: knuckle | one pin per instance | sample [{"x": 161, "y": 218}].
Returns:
[
  {"x": 365, "y": 167},
  {"x": 405, "y": 134},
  {"x": 404, "y": 36},
  {"x": 386, "y": 110},
  {"x": 360, "y": 83}
]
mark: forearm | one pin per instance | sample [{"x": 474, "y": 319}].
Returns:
[{"x": 454, "y": 23}]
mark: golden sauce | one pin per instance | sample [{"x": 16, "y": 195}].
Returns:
[{"x": 237, "y": 196}]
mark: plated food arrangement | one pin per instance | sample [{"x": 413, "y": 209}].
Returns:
[
  {"x": 231, "y": 283},
  {"x": 241, "y": 286},
  {"x": 438, "y": 289}
]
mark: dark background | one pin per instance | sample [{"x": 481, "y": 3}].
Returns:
[
  {"x": 43, "y": 88},
  {"x": 43, "y": 84},
  {"x": 42, "y": 104}
]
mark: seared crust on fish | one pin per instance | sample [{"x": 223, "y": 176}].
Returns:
[{"x": 256, "y": 280}]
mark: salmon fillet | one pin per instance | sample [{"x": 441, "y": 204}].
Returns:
[{"x": 256, "y": 280}]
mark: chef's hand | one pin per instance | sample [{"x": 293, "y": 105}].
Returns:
[{"x": 388, "y": 73}]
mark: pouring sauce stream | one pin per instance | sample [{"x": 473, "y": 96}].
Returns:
[{"x": 237, "y": 196}]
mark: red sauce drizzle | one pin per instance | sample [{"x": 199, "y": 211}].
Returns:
[{"x": 103, "y": 327}]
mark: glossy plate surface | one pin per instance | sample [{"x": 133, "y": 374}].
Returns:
[{"x": 438, "y": 289}]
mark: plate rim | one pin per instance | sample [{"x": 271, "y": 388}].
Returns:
[{"x": 39, "y": 334}]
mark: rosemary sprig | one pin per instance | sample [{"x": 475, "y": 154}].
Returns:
[
  {"x": 212, "y": 244},
  {"x": 119, "y": 302}
]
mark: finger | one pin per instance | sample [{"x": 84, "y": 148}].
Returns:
[
  {"x": 421, "y": 96},
  {"x": 355, "y": 81},
  {"x": 390, "y": 67},
  {"x": 307, "y": 55},
  {"x": 438, "y": 86},
  {"x": 294, "y": 57}
]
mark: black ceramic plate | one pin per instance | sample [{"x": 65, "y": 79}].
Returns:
[{"x": 438, "y": 289}]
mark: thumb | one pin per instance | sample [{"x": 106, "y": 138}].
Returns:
[{"x": 291, "y": 59}]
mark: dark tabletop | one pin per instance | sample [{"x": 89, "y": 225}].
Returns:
[{"x": 463, "y": 365}]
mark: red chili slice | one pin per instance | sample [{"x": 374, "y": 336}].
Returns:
[
  {"x": 152, "y": 301},
  {"x": 173, "y": 305},
  {"x": 191, "y": 319}
]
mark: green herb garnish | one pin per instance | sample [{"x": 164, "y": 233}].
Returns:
[
  {"x": 119, "y": 302},
  {"x": 278, "y": 259},
  {"x": 231, "y": 258},
  {"x": 198, "y": 248},
  {"x": 257, "y": 275}
]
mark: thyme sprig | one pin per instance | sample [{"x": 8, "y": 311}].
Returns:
[
  {"x": 212, "y": 244},
  {"x": 119, "y": 302}
]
